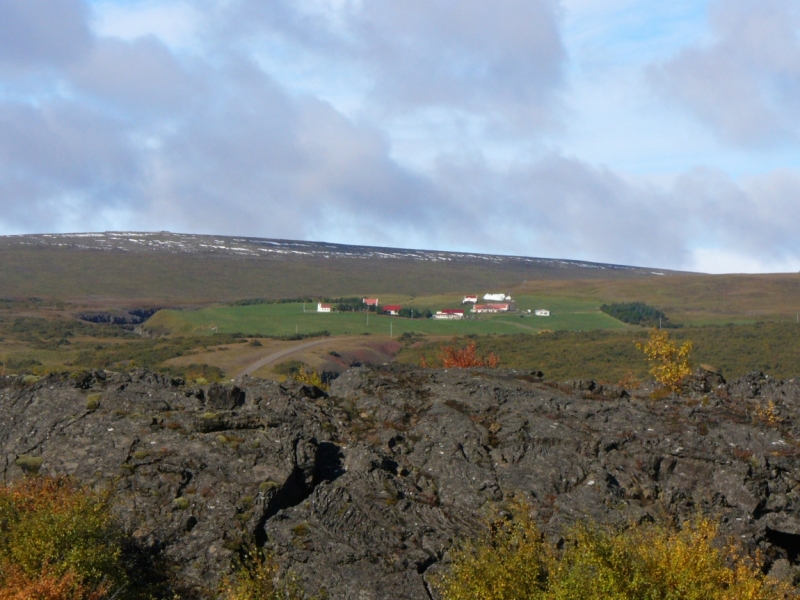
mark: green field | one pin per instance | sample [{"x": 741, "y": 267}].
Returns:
[{"x": 288, "y": 319}]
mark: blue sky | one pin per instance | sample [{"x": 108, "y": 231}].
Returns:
[{"x": 625, "y": 131}]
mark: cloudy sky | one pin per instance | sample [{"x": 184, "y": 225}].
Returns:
[{"x": 629, "y": 131}]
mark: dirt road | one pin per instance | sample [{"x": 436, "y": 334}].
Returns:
[{"x": 270, "y": 358}]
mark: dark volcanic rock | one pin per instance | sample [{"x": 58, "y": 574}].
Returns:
[{"x": 363, "y": 491}]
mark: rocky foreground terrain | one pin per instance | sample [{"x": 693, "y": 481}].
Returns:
[{"x": 362, "y": 491}]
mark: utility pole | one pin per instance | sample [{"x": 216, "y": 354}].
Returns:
[{"x": 391, "y": 331}]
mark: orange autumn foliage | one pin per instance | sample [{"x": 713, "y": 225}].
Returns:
[
  {"x": 57, "y": 542},
  {"x": 463, "y": 358},
  {"x": 47, "y": 586}
]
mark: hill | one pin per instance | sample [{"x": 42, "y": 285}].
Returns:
[{"x": 168, "y": 268}]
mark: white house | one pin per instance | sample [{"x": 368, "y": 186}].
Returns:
[
  {"x": 491, "y": 308},
  {"x": 541, "y": 312},
  {"x": 323, "y": 307},
  {"x": 496, "y": 297},
  {"x": 468, "y": 299},
  {"x": 449, "y": 313},
  {"x": 392, "y": 309}
]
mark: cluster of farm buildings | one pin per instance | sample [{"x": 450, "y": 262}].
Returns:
[{"x": 493, "y": 303}]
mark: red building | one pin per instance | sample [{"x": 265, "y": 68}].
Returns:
[{"x": 392, "y": 309}]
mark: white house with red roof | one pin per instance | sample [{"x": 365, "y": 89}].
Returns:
[
  {"x": 491, "y": 308},
  {"x": 371, "y": 302},
  {"x": 449, "y": 313},
  {"x": 392, "y": 309},
  {"x": 326, "y": 308}
]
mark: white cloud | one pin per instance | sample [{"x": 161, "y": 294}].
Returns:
[
  {"x": 176, "y": 23},
  {"x": 745, "y": 83}
]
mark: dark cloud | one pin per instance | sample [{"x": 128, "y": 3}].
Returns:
[
  {"x": 63, "y": 167},
  {"x": 505, "y": 57},
  {"x": 746, "y": 83},
  {"x": 42, "y": 32},
  {"x": 141, "y": 76}
]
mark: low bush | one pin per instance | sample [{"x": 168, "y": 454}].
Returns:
[
  {"x": 257, "y": 578},
  {"x": 455, "y": 357},
  {"x": 643, "y": 562},
  {"x": 57, "y": 542}
]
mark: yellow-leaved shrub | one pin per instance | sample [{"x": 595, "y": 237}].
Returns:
[
  {"x": 645, "y": 562},
  {"x": 257, "y": 578},
  {"x": 669, "y": 364}
]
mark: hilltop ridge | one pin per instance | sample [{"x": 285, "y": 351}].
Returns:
[
  {"x": 172, "y": 267},
  {"x": 243, "y": 246}
]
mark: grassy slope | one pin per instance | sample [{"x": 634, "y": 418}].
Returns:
[
  {"x": 691, "y": 299},
  {"x": 188, "y": 278},
  {"x": 610, "y": 355}
]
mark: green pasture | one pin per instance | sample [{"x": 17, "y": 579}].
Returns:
[{"x": 288, "y": 319}]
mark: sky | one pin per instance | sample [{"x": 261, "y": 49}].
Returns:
[{"x": 660, "y": 134}]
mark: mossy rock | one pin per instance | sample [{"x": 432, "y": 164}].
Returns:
[
  {"x": 30, "y": 379},
  {"x": 181, "y": 503},
  {"x": 29, "y": 464},
  {"x": 93, "y": 401}
]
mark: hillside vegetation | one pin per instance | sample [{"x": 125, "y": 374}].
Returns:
[{"x": 735, "y": 350}]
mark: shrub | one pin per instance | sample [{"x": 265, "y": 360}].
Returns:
[
  {"x": 310, "y": 377},
  {"x": 58, "y": 542},
  {"x": 640, "y": 563},
  {"x": 668, "y": 363},
  {"x": 463, "y": 358},
  {"x": 257, "y": 578},
  {"x": 202, "y": 374}
]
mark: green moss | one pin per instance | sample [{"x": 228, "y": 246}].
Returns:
[
  {"x": 93, "y": 401},
  {"x": 29, "y": 464},
  {"x": 268, "y": 485},
  {"x": 181, "y": 503},
  {"x": 301, "y": 530}
]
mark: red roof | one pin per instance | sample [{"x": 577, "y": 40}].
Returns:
[
  {"x": 394, "y": 307},
  {"x": 371, "y": 301}
]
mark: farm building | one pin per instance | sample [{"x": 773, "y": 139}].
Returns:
[
  {"x": 491, "y": 308},
  {"x": 392, "y": 309},
  {"x": 496, "y": 297},
  {"x": 541, "y": 312},
  {"x": 449, "y": 313},
  {"x": 323, "y": 307},
  {"x": 371, "y": 302},
  {"x": 468, "y": 299}
]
